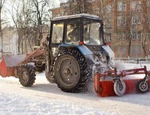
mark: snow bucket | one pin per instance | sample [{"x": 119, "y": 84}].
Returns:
[{"x": 9, "y": 63}]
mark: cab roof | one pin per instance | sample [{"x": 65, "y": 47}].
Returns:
[{"x": 83, "y": 15}]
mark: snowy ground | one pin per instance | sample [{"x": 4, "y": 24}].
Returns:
[{"x": 46, "y": 99}]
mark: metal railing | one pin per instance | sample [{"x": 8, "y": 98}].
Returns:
[{"x": 134, "y": 60}]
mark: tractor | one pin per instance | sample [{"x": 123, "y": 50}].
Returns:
[{"x": 75, "y": 50}]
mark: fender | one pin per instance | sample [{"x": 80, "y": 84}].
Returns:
[{"x": 83, "y": 49}]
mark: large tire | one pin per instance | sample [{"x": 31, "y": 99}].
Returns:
[
  {"x": 119, "y": 87},
  {"x": 71, "y": 71},
  {"x": 26, "y": 75},
  {"x": 49, "y": 73},
  {"x": 49, "y": 77},
  {"x": 142, "y": 86}
]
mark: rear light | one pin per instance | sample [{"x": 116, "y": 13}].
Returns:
[
  {"x": 81, "y": 43},
  {"x": 107, "y": 43}
]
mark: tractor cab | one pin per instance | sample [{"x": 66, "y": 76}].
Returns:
[{"x": 76, "y": 30}]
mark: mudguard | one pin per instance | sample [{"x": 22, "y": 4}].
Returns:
[
  {"x": 88, "y": 54},
  {"x": 83, "y": 49}
]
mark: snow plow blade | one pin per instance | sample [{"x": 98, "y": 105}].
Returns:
[
  {"x": 132, "y": 85},
  {"x": 9, "y": 63}
]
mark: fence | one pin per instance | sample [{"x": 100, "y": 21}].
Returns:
[{"x": 134, "y": 60}]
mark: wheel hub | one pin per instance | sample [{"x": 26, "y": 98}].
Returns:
[
  {"x": 143, "y": 86},
  {"x": 69, "y": 71}
]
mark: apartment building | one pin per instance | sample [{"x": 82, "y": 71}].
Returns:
[{"x": 126, "y": 25}]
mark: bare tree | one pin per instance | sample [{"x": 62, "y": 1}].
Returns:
[
  {"x": 39, "y": 12},
  {"x": 28, "y": 21},
  {"x": 146, "y": 29}
]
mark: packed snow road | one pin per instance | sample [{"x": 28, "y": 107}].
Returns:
[{"x": 47, "y": 99}]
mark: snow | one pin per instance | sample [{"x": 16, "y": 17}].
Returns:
[{"x": 45, "y": 98}]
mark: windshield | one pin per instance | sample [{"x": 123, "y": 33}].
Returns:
[{"x": 91, "y": 32}]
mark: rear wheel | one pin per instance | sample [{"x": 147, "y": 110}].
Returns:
[
  {"x": 26, "y": 75},
  {"x": 71, "y": 71},
  {"x": 142, "y": 86}
]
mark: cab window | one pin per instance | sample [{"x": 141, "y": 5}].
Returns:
[
  {"x": 73, "y": 32},
  {"x": 57, "y": 33}
]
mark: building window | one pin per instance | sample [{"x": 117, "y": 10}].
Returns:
[
  {"x": 136, "y": 6},
  {"x": 139, "y": 35},
  {"x": 121, "y": 6},
  {"x": 133, "y": 36},
  {"x": 133, "y": 20},
  {"x": 136, "y": 20},
  {"x": 121, "y": 21},
  {"x": 136, "y": 35},
  {"x": 139, "y": 7}
]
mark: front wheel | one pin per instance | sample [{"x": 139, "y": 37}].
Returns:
[
  {"x": 142, "y": 86},
  {"x": 119, "y": 87},
  {"x": 26, "y": 75}
]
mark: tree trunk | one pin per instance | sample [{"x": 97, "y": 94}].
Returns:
[{"x": 129, "y": 48}]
